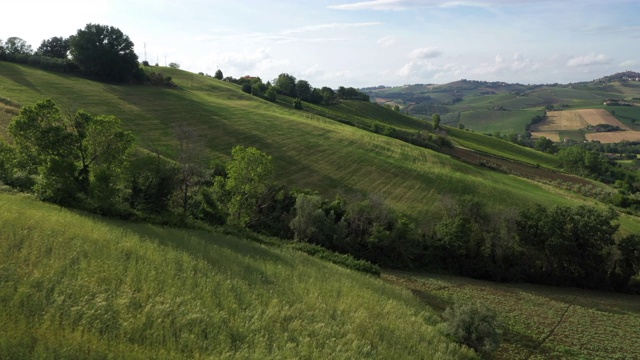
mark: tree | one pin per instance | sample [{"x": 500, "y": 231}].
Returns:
[
  {"x": 297, "y": 104},
  {"x": 328, "y": 95},
  {"x": 271, "y": 94},
  {"x": 190, "y": 156},
  {"x": 218, "y": 75},
  {"x": 105, "y": 52},
  {"x": 174, "y": 65},
  {"x": 304, "y": 90},
  {"x": 249, "y": 176},
  {"x": 15, "y": 46},
  {"x": 545, "y": 145},
  {"x": 306, "y": 225},
  {"x": 55, "y": 47},
  {"x": 474, "y": 325},
  {"x": 286, "y": 85},
  {"x": 82, "y": 156},
  {"x": 436, "y": 121}
]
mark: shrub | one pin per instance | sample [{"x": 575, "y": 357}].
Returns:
[{"x": 474, "y": 325}]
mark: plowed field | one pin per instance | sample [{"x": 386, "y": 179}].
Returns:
[{"x": 581, "y": 119}]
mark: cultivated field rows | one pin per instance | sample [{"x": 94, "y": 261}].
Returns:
[{"x": 558, "y": 121}]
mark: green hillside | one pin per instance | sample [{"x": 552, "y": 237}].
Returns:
[
  {"x": 500, "y": 107},
  {"x": 309, "y": 151},
  {"x": 78, "y": 286}
]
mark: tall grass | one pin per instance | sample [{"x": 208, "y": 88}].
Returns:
[{"x": 75, "y": 286}]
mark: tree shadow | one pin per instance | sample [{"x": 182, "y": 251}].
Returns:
[{"x": 14, "y": 73}]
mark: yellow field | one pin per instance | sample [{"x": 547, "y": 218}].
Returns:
[{"x": 579, "y": 119}]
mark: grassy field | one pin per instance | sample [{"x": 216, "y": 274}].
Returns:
[
  {"x": 309, "y": 151},
  {"x": 541, "y": 322},
  {"x": 75, "y": 286},
  {"x": 502, "y": 148},
  {"x": 490, "y": 121}
]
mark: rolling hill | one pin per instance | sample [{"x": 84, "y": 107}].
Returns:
[
  {"x": 77, "y": 286},
  {"x": 490, "y": 107},
  {"x": 309, "y": 150}
]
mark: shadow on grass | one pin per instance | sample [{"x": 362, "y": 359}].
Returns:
[{"x": 15, "y": 73}]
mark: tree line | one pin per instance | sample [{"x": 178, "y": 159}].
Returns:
[
  {"x": 298, "y": 89},
  {"x": 97, "y": 51},
  {"x": 89, "y": 162}
]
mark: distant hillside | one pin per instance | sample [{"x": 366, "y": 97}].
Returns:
[{"x": 507, "y": 108}]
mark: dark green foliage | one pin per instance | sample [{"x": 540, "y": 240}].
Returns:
[
  {"x": 246, "y": 87},
  {"x": 436, "y": 121},
  {"x": 218, "y": 75},
  {"x": 345, "y": 260},
  {"x": 297, "y": 104},
  {"x": 328, "y": 95},
  {"x": 71, "y": 158},
  {"x": 286, "y": 84},
  {"x": 475, "y": 325},
  {"x": 55, "y": 47},
  {"x": 152, "y": 180},
  {"x": 105, "y": 52},
  {"x": 567, "y": 246},
  {"x": 627, "y": 263},
  {"x": 271, "y": 94},
  {"x": 275, "y": 212},
  {"x": 15, "y": 47},
  {"x": 304, "y": 90},
  {"x": 351, "y": 94},
  {"x": 545, "y": 145}
]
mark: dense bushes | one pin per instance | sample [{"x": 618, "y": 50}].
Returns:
[{"x": 474, "y": 325}]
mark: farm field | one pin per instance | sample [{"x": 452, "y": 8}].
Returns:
[
  {"x": 558, "y": 122},
  {"x": 541, "y": 322}
]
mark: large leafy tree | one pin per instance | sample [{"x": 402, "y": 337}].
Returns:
[
  {"x": 72, "y": 159},
  {"x": 249, "y": 177},
  {"x": 304, "y": 90},
  {"x": 55, "y": 47},
  {"x": 286, "y": 85},
  {"x": 105, "y": 52},
  {"x": 17, "y": 46}
]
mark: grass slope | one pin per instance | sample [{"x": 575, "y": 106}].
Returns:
[
  {"x": 83, "y": 287},
  {"x": 542, "y": 322},
  {"x": 309, "y": 151}
]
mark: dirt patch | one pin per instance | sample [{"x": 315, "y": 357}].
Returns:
[
  {"x": 579, "y": 119},
  {"x": 513, "y": 167},
  {"x": 614, "y": 137},
  {"x": 551, "y": 135}
]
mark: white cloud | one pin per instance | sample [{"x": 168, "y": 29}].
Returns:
[
  {"x": 330, "y": 26},
  {"x": 588, "y": 60},
  {"x": 519, "y": 61},
  {"x": 374, "y": 5},
  {"x": 629, "y": 63},
  {"x": 448, "y": 4},
  {"x": 387, "y": 41},
  {"x": 425, "y": 53},
  {"x": 257, "y": 62}
]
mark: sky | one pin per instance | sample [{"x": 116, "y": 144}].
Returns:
[{"x": 359, "y": 43}]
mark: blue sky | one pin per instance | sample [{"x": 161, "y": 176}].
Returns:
[{"x": 360, "y": 43}]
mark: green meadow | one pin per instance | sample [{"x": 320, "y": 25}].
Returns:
[
  {"x": 309, "y": 150},
  {"x": 78, "y": 286}
]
